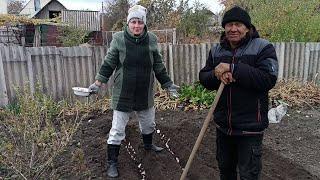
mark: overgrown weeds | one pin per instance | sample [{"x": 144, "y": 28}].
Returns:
[{"x": 33, "y": 132}]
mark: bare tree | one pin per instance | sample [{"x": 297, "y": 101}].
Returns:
[
  {"x": 116, "y": 12},
  {"x": 15, "y": 6}
]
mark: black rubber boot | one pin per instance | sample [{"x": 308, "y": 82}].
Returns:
[
  {"x": 147, "y": 140},
  {"x": 113, "y": 153}
]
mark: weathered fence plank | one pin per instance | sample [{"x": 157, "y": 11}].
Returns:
[
  {"x": 171, "y": 64},
  {"x": 314, "y": 60},
  {"x": 175, "y": 64},
  {"x": 307, "y": 63},
  {"x": 3, "y": 88}
]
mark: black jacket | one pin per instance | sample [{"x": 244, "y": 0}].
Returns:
[{"x": 243, "y": 105}]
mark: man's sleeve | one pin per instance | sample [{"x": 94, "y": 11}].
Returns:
[
  {"x": 263, "y": 77},
  {"x": 206, "y": 75}
]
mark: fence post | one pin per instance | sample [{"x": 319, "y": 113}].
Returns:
[
  {"x": 23, "y": 41},
  {"x": 170, "y": 63},
  {"x": 174, "y": 36},
  {"x": 307, "y": 62},
  {"x": 281, "y": 60},
  {"x": 203, "y": 54},
  {"x": 30, "y": 71},
  {"x": 3, "y": 90},
  {"x": 37, "y": 37}
]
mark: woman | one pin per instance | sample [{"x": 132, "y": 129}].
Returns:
[{"x": 135, "y": 58}]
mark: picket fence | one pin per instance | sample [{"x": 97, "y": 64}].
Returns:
[{"x": 58, "y": 69}]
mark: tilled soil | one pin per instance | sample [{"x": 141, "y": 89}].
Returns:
[{"x": 290, "y": 149}]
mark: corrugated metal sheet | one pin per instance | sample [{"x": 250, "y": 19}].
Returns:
[
  {"x": 313, "y": 52},
  {"x": 79, "y": 67},
  {"x": 57, "y": 70},
  {"x": 3, "y": 88},
  {"x": 15, "y": 68},
  {"x": 46, "y": 68},
  {"x": 88, "y": 20}
]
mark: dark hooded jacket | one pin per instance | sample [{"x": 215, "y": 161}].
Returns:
[
  {"x": 243, "y": 105},
  {"x": 136, "y": 61}
]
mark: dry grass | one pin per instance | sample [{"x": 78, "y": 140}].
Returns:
[
  {"x": 296, "y": 94},
  {"x": 162, "y": 101}
]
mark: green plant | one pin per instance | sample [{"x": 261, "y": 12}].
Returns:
[
  {"x": 71, "y": 36},
  {"x": 14, "y": 107},
  {"x": 196, "y": 95}
]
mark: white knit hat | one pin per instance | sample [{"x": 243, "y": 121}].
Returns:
[{"x": 137, "y": 11}]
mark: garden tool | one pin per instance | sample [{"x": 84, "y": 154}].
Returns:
[{"x": 203, "y": 130}]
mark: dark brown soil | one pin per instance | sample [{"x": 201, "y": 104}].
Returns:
[{"x": 291, "y": 149}]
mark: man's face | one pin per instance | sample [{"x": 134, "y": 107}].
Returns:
[
  {"x": 136, "y": 26},
  {"x": 235, "y": 31}
]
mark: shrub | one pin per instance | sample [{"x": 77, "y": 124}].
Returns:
[
  {"x": 71, "y": 36},
  {"x": 32, "y": 133}
]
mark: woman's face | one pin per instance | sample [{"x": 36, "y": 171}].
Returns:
[{"x": 136, "y": 26}]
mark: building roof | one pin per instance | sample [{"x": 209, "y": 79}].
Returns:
[{"x": 29, "y": 8}]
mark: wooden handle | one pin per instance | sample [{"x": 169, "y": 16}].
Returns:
[{"x": 203, "y": 130}]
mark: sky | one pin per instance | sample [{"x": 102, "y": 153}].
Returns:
[{"x": 95, "y": 5}]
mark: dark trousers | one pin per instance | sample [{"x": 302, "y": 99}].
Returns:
[{"x": 243, "y": 152}]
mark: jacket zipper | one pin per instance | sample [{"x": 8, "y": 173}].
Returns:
[
  {"x": 230, "y": 100},
  {"x": 259, "y": 111}
]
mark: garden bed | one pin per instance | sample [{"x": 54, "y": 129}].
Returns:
[{"x": 290, "y": 148}]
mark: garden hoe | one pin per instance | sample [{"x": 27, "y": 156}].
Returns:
[{"x": 203, "y": 130}]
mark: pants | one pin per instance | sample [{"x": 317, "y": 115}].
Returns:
[
  {"x": 120, "y": 119},
  {"x": 243, "y": 152}
]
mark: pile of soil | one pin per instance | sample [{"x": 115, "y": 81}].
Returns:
[{"x": 289, "y": 151}]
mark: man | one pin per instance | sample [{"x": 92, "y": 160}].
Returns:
[
  {"x": 135, "y": 58},
  {"x": 248, "y": 67}
]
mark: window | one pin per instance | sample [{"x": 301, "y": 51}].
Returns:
[{"x": 53, "y": 14}]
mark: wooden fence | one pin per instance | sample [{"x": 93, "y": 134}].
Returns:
[
  {"x": 57, "y": 70},
  {"x": 87, "y": 20}
]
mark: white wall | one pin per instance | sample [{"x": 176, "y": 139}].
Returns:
[
  {"x": 29, "y": 8},
  {"x": 3, "y": 6}
]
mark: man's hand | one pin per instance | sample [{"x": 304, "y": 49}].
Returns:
[
  {"x": 221, "y": 69},
  {"x": 227, "y": 78},
  {"x": 222, "y": 72},
  {"x": 95, "y": 86},
  {"x": 173, "y": 91}
]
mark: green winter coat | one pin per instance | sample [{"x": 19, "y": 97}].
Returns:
[{"x": 136, "y": 60}]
